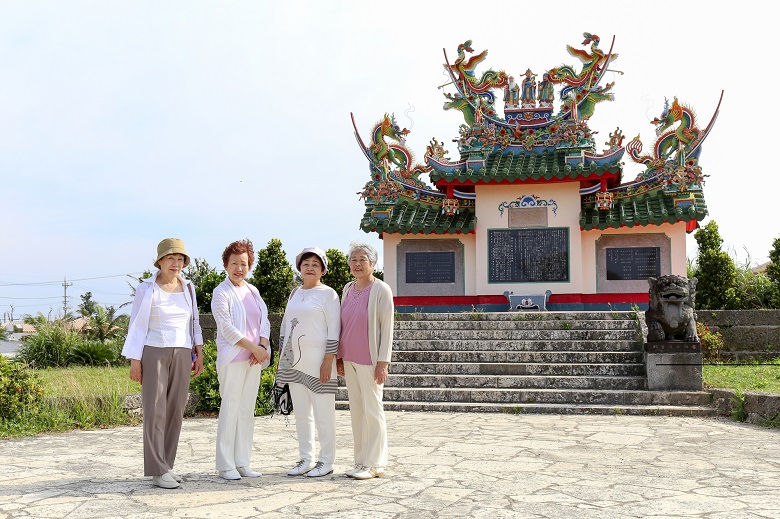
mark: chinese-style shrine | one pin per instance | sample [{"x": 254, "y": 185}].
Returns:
[{"x": 531, "y": 205}]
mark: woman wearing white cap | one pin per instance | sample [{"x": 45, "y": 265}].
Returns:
[
  {"x": 164, "y": 343},
  {"x": 310, "y": 339}
]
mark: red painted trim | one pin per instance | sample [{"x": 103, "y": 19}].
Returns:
[{"x": 639, "y": 297}]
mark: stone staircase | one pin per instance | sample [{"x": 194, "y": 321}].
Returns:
[{"x": 540, "y": 362}]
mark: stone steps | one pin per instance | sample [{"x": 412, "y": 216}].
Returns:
[
  {"x": 526, "y": 408},
  {"x": 516, "y": 381},
  {"x": 507, "y": 345},
  {"x": 503, "y": 357},
  {"x": 611, "y": 397},
  {"x": 568, "y": 324},
  {"x": 443, "y": 333},
  {"x": 520, "y": 368},
  {"x": 539, "y": 362}
]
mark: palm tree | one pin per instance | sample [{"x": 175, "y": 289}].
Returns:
[{"x": 105, "y": 324}]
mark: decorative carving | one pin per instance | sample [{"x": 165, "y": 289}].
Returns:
[
  {"x": 528, "y": 201},
  {"x": 671, "y": 314}
]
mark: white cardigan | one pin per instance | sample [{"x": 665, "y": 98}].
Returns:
[
  {"x": 139, "y": 317},
  {"x": 230, "y": 316}
]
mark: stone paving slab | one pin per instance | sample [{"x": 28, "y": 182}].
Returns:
[{"x": 443, "y": 465}]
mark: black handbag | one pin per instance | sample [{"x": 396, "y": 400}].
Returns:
[{"x": 281, "y": 399}]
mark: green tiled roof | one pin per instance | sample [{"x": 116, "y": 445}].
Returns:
[
  {"x": 410, "y": 216},
  {"x": 649, "y": 208},
  {"x": 535, "y": 166}
]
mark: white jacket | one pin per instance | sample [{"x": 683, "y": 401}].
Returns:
[
  {"x": 230, "y": 316},
  {"x": 139, "y": 317}
]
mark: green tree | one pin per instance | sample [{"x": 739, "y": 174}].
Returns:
[
  {"x": 105, "y": 324},
  {"x": 3, "y": 334},
  {"x": 715, "y": 270},
  {"x": 273, "y": 275},
  {"x": 205, "y": 289},
  {"x": 87, "y": 306},
  {"x": 338, "y": 270},
  {"x": 773, "y": 272},
  {"x": 205, "y": 279}
]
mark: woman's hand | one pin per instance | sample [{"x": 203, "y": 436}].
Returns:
[
  {"x": 326, "y": 368},
  {"x": 197, "y": 366},
  {"x": 340, "y": 367},
  {"x": 259, "y": 355},
  {"x": 381, "y": 373},
  {"x": 135, "y": 370}
]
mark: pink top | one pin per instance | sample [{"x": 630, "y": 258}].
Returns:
[
  {"x": 353, "y": 344},
  {"x": 253, "y": 319}
]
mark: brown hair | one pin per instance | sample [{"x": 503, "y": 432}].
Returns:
[{"x": 239, "y": 247}]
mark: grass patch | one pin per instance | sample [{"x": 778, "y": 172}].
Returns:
[
  {"x": 80, "y": 381},
  {"x": 76, "y": 398},
  {"x": 761, "y": 377}
]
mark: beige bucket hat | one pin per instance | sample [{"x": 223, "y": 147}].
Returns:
[{"x": 171, "y": 246}]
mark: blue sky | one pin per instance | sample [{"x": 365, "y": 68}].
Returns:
[{"x": 122, "y": 123}]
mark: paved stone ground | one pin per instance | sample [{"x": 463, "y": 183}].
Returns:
[{"x": 442, "y": 465}]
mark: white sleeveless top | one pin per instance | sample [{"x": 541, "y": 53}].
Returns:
[{"x": 169, "y": 321}]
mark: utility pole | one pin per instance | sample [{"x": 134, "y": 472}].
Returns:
[{"x": 65, "y": 285}]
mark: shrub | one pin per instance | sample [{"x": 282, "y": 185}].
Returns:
[
  {"x": 91, "y": 353},
  {"x": 711, "y": 342},
  {"x": 20, "y": 390},
  {"x": 115, "y": 345},
  {"x": 207, "y": 385},
  {"x": 49, "y": 347}
]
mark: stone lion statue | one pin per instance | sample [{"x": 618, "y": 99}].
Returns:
[{"x": 671, "y": 315}]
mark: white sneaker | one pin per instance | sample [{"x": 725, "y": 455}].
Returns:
[
  {"x": 301, "y": 468},
  {"x": 165, "y": 481},
  {"x": 175, "y": 476},
  {"x": 230, "y": 475},
  {"x": 369, "y": 473},
  {"x": 354, "y": 470},
  {"x": 320, "y": 469},
  {"x": 248, "y": 472}
]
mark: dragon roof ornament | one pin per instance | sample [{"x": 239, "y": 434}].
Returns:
[{"x": 531, "y": 141}]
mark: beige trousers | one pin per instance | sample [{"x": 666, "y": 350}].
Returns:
[
  {"x": 165, "y": 380},
  {"x": 369, "y": 428}
]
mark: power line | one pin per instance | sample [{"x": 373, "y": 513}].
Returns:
[{"x": 45, "y": 283}]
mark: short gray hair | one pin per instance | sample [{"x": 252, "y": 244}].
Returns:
[{"x": 373, "y": 255}]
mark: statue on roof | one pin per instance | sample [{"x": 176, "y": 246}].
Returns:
[
  {"x": 546, "y": 91},
  {"x": 511, "y": 93},
  {"x": 528, "y": 96}
]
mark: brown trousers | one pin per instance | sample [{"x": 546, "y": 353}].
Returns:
[{"x": 165, "y": 380}]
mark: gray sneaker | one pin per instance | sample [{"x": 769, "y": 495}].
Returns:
[
  {"x": 320, "y": 469},
  {"x": 301, "y": 468}
]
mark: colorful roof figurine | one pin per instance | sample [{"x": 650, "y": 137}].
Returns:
[{"x": 532, "y": 143}]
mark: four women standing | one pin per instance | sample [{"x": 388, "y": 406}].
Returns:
[{"x": 164, "y": 341}]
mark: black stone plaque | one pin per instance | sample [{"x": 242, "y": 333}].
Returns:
[
  {"x": 629, "y": 263},
  {"x": 528, "y": 255},
  {"x": 430, "y": 267}
]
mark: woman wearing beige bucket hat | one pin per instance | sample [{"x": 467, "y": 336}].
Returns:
[
  {"x": 310, "y": 340},
  {"x": 163, "y": 336}
]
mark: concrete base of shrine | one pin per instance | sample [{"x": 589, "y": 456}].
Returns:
[{"x": 673, "y": 365}]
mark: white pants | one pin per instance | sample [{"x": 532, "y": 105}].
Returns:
[
  {"x": 312, "y": 409},
  {"x": 238, "y": 385},
  {"x": 369, "y": 428}
]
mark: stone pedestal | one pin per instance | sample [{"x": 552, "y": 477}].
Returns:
[{"x": 673, "y": 365}]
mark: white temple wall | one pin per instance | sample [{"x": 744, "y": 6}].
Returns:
[{"x": 562, "y": 211}]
